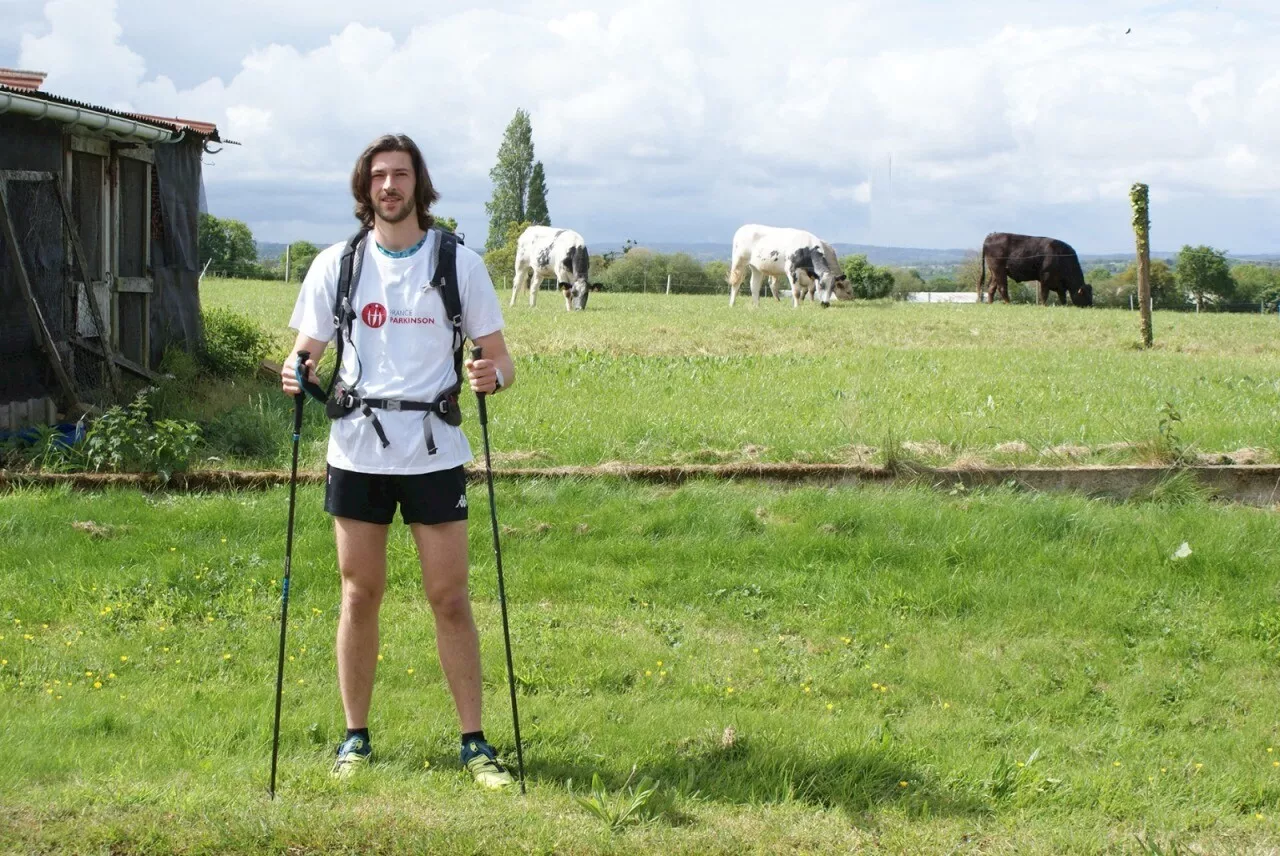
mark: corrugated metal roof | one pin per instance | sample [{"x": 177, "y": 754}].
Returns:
[
  {"x": 207, "y": 130},
  {"x": 16, "y": 78}
]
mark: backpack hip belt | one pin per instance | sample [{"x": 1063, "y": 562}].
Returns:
[{"x": 445, "y": 406}]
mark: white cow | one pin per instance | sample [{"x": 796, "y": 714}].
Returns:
[
  {"x": 560, "y": 254},
  {"x": 808, "y": 262}
]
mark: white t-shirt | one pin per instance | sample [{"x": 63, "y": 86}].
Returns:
[{"x": 404, "y": 343}]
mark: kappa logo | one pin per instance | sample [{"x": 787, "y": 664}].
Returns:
[
  {"x": 462, "y": 501},
  {"x": 374, "y": 315}
]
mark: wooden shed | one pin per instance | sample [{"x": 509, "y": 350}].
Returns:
[{"x": 99, "y": 211}]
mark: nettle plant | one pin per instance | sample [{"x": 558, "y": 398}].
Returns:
[{"x": 125, "y": 439}]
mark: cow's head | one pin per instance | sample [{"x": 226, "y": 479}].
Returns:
[
  {"x": 837, "y": 285},
  {"x": 575, "y": 294},
  {"x": 1083, "y": 296}
]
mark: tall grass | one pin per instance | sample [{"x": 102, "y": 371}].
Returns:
[{"x": 650, "y": 379}]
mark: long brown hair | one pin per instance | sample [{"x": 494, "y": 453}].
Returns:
[{"x": 424, "y": 192}]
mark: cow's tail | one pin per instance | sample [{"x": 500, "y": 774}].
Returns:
[
  {"x": 737, "y": 268},
  {"x": 982, "y": 272},
  {"x": 581, "y": 264}
]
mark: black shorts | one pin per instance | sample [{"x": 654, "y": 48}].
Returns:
[{"x": 439, "y": 497}]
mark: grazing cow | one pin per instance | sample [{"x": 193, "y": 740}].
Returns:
[
  {"x": 1022, "y": 258},
  {"x": 808, "y": 263},
  {"x": 560, "y": 254}
]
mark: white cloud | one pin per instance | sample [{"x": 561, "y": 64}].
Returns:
[
  {"x": 82, "y": 51},
  {"x": 664, "y": 120}
]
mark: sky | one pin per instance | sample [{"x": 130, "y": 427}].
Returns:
[{"x": 892, "y": 122}]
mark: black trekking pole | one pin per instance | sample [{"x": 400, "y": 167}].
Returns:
[
  {"x": 298, "y": 401},
  {"x": 502, "y": 594}
]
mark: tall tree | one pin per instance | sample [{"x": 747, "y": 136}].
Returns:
[
  {"x": 301, "y": 255},
  {"x": 536, "y": 207},
  {"x": 1203, "y": 273},
  {"x": 242, "y": 249},
  {"x": 228, "y": 244},
  {"x": 212, "y": 239},
  {"x": 511, "y": 176}
]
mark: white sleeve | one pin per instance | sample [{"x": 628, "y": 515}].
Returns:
[
  {"x": 481, "y": 312},
  {"x": 313, "y": 311}
]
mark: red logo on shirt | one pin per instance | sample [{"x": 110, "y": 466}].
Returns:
[{"x": 374, "y": 314}]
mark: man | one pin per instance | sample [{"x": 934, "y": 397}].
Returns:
[{"x": 400, "y": 352}]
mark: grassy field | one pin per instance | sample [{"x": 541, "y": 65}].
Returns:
[
  {"x": 650, "y": 379},
  {"x": 810, "y": 670}
]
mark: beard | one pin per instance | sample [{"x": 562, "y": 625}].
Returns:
[{"x": 406, "y": 208}]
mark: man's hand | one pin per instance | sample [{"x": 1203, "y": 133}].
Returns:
[
  {"x": 289, "y": 375},
  {"x": 483, "y": 375}
]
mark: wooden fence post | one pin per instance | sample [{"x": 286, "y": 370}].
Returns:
[{"x": 1140, "y": 197}]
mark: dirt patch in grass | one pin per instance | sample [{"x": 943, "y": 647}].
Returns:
[{"x": 1251, "y": 484}]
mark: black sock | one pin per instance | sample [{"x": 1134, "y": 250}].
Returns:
[
  {"x": 359, "y": 732},
  {"x": 473, "y": 735}
]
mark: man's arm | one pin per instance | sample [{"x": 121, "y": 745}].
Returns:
[
  {"x": 288, "y": 372},
  {"x": 483, "y": 372}
]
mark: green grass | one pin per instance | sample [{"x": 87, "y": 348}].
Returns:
[
  {"x": 649, "y": 379},
  {"x": 852, "y": 639}
]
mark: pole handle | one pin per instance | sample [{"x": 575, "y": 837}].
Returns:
[
  {"x": 477, "y": 353},
  {"x": 300, "y": 369}
]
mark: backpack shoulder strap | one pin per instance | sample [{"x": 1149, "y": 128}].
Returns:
[
  {"x": 344, "y": 315},
  {"x": 348, "y": 274},
  {"x": 446, "y": 279}
]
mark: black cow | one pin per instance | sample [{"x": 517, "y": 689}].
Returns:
[{"x": 1022, "y": 258}]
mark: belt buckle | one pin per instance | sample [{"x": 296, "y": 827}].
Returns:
[{"x": 391, "y": 405}]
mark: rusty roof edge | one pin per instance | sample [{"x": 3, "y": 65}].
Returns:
[{"x": 154, "y": 121}]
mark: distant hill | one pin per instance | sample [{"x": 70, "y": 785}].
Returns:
[{"x": 269, "y": 251}]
